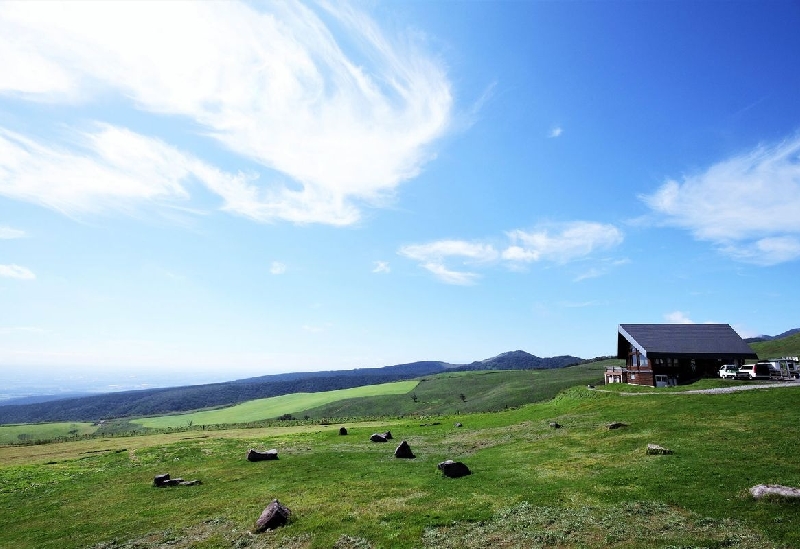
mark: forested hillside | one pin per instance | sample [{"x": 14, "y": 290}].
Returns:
[{"x": 184, "y": 399}]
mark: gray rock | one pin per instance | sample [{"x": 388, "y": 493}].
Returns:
[
  {"x": 377, "y": 437},
  {"x": 273, "y": 516},
  {"x": 342, "y": 431},
  {"x": 555, "y": 425},
  {"x": 163, "y": 481},
  {"x": 655, "y": 449},
  {"x": 761, "y": 490},
  {"x": 453, "y": 469},
  {"x": 404, "y": 451},
  {"x": 256, "y": 455},
  {"x": 616, "y": 425}
]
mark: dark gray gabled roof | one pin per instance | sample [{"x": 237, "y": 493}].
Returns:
[{"x": 675, "y": 340}]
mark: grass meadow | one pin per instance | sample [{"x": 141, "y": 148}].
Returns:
[
  {"x": 10, "y": 434},
  {"x": 454, "y": 392},
  {"x": 266, "y": 408},
  {"x": 581, "y": 486}
]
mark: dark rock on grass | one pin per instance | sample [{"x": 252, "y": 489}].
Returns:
[
  {"x": 655, "y": 449},
  {"x": 256, "y": 455},
  {"x": 459, "y": 424},
  {"x": 555, "y": 425},
  {"x": 453, "y": 469},
  {"x": 163, "y": 481},
  {"x": 381, "y": 437},
  {"x": 774, "y": 490},
  {"x": 273, "y": 516},
  {"x": 404, "y": 451},
  {"x": 342, "y": 431},
  {"x": 616, "y": 425}
]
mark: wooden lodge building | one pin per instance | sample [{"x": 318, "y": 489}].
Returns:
[{"x": 661, "y": 355}]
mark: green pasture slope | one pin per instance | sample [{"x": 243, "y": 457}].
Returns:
[
  {"x": 10, "y": 434},
  {"x": 534, "y": 486},
  {"x": 467, "y": 392},
  {"x": 267, "y": 408},
  {"x": 439, "y": 394},
  {"x": 777, "y": 348}
]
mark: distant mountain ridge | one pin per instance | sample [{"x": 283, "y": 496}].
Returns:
[
  {"x": 760, "y": 338},
  {"x": 195, "y": 397}
]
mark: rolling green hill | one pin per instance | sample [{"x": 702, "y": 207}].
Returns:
[
  {"x": 436, "y": 394},
  {"x": 267, "y": 408},
  {"x": 466, "y": 392},
  {"x": 580, "y": 486},
  {"x": 776, "y": 348}
]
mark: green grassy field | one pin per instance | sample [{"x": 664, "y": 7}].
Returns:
[
  {"x": 10, "y": 434},
  {"x": 581, "y": 486},
  {"x": 466, "y": 392},
  {"x": 787, "y": 346},
  {"x": 266, "y": 408},
  {"x": 439, "y": 394}
]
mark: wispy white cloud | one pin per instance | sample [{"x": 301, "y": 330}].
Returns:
[
  {"x": 7, "y": 233},
  {"x": 332, "y": 128},
  {"x": 561, "y": 243},
  {"x": 277, "y": 268},
  {"x": 16, "y": 271},
  {"x": 678, "y": 317},
  {"x": 433, "y": 256},
  {"x": 108, "y": 169},
  {"x": 555, "y": 132},
  {"x": 601, "y": 268},
  {"x": 381, "y": 267},
  {"x": 555, "y": 243},
  {"x": 746, "y": 205}
]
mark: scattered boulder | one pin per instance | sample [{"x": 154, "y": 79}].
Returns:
[
  {"x": 404, "y": 451},
  {"x": 590, "y": 386},
  {"x": 459, "y": 424},
  {"x": 761, "y": 490},
  {"x": 273, "y": 516},
  {"x": 555, "y": 425},
  {"x": 256, "y": 455},
  {"x": 453, "y": 469},
  {"x": 162, "y": 481},
  {"x": 342, "y": 431},
  {"x": 655, "y": 449},
  {"x": 616, "y": 425},
  {"x": 377, "y": 437},
  {"x": 388, "y": 435}
]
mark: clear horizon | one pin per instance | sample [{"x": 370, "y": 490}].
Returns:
[{"x": 236, "y": 189}]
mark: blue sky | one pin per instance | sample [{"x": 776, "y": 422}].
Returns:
[{"x": 237, "y": 189}]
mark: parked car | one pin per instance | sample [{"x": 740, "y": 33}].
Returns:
[
  {"x": 728, "y": 371},
  {"x": 754, "y": 371}
]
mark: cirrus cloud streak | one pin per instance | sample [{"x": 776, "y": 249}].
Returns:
[
  {"x": 332, "y": 128},
  {"x": 746, "y": 205},
  {"x": 556, "y": 243}
]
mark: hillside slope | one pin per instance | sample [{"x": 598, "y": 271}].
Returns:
[
  {"x": 776, "y": 348},
  {"x": 184, "y": 399}
]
